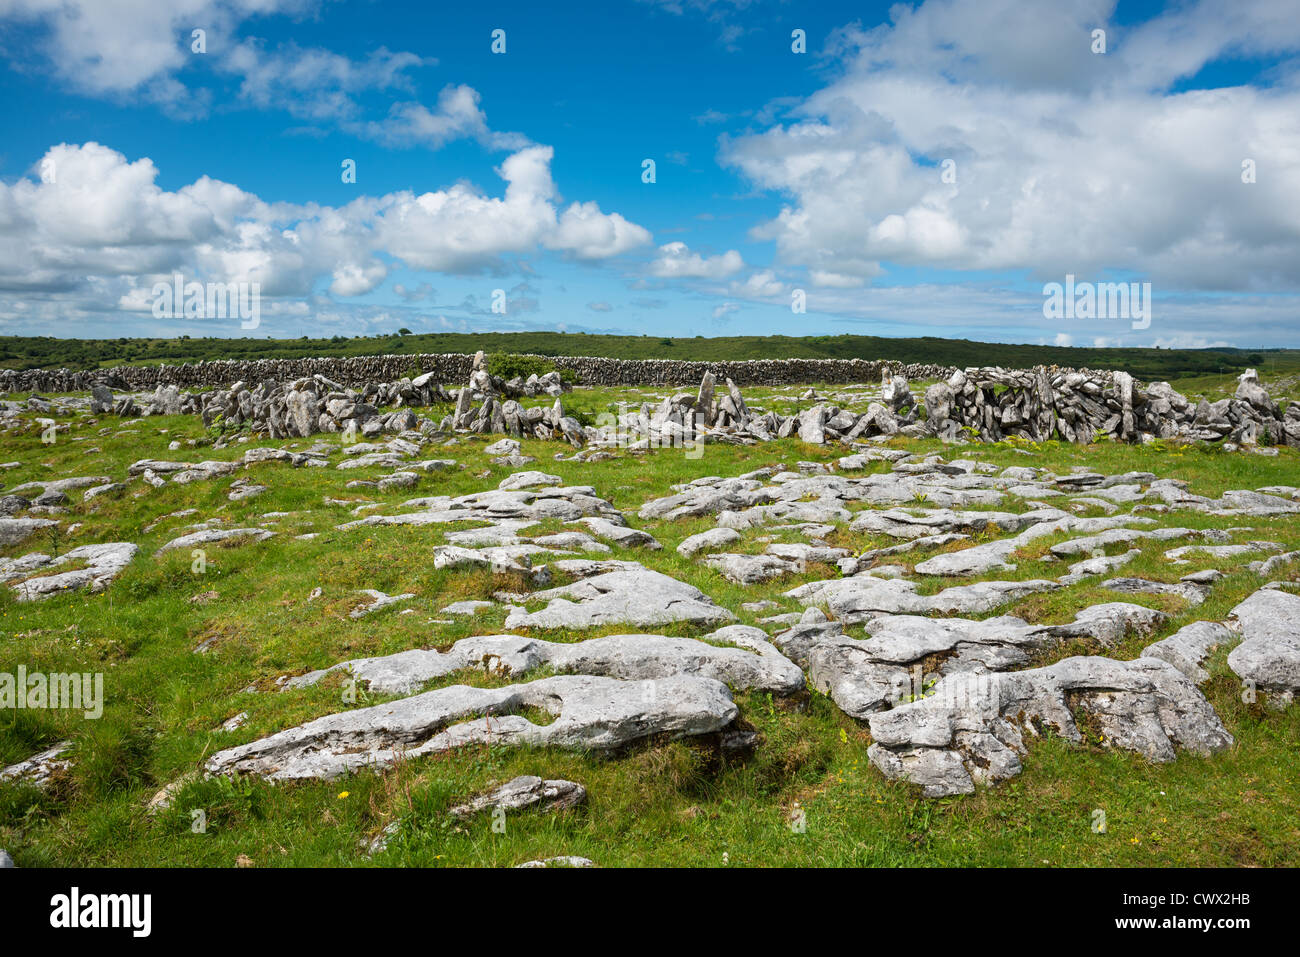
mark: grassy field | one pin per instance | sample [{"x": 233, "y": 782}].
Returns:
[
  {"x": 662, "y": 803},
  {"x": 32, "y": 352}
]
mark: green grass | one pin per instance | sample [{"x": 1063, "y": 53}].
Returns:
[{"x": 661, "y": 803}]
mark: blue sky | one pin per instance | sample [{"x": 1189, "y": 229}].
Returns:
[{"x": 128, "y": 157}]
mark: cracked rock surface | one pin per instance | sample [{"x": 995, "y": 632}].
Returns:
[
  {"x": 523, "y": 792},
  {"x": 974, "y": 728},
  {"x": 588, "y": 712},
  {"x": 738, "y": 655},
  {"x": 1269, "y": 653},
  {"x": 636, "y": 596}
]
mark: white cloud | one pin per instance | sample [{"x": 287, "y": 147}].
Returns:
[
  {"x": 98, "y": 225},
  {"x": 313, "y": 83},
  {"x": 461, "y": 230},
  {"x": 587, "y": 233},
  {"x": 676, "y": 261},
  {"x": 1065, "y": 161},
  {"x": 120, "y": 46},
  {"x": 724, "y": 310},
  {"x": 834, "y": 280},
  {"x": 456, "y": 116},
  {"x": 123, "y": 48},
  {"x": 1188, "y": 341},
  {"x": 760, "y": 285}
]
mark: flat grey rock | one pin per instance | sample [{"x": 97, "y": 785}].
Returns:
[
  {"x": 96, "y": 491},
  {"x": 750, "y": 569},
  {"x": 1269, "y": 653},
  {"x": 697, "y": 500},
  {"x": 972, "y": 728},
  {"x": 707, "y": 541},
  {"x": 567, "y": 860},
  {"x": 522, "y": 792},
  {"x": 904, "y": 655},
  {"x": 1189, "y": 646},
  {"x": 213, "y": 535},
  {"x": 390, "y": 460},
  {"x": 1117, "y": 536},
  {"x": 797, "y": 641},
  {"x": 60, "y": 485},
  {"x": 857, "y": 598},
  {"x": 571, "y": 542},
  {"x": 1100, "y": 565},
  {"x": 589, "y": 713},
  {"x": 39, "y": 768},
  {"x": 100, "y": 565},
  {"x": 915, "y": 523},
  {"x": 996, "y": 555},
  {"x": 633, "y": 596},
  {"x": 566, "y": 504},
  {"x": 529, "y": 480},
  {"x": 796, "y": 511},
  {"x": 1190, "y": 592},
  {"x": 468, "y": 607},
  {"x": 1179, "y": 555},
  {"x": 621, "y": 534},
  {"x": 1270, "y": 565},
  {"x": 502, "y": 447},
  {"x": 14, "y": 531},
  {"x": 738, "y": 655},
  {"x": 1111, "y": 622},
  {"x": 203, "y": 471},
  {"x": 378, "y": 600}
]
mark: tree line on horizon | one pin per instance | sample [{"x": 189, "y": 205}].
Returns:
[{"x": 33, "y": 352}]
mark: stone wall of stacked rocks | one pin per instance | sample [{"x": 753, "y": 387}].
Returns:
[
  {"x": 1039, "y": 404},
  {"x": 357, "y": 371},
  {"x": 988, "y": 404}
]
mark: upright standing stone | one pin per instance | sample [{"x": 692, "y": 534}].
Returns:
[{"x": 704, "y": 401}]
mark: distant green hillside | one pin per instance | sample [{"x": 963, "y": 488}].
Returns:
[{"x": 28, "y": 352}]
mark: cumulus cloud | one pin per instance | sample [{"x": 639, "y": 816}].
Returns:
[
  {"x": 120, "y": 46},
  {"x": 676, "y": 261},
  {"x": 463, "y": 231},
  {"x": 760, "y": 285},
  {"x": 97, "y": 224},
  {"x": 1057, "y": 159},
  {"x": 124, "y": 48},
  {"x": 457, "y": 115}
]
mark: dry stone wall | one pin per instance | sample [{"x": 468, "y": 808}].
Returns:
[
  {"x": 357, "y": 371},
  {"x": 286, "y": 397}
]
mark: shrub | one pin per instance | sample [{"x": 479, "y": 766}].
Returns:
[{"x": 509, "y": 365}]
